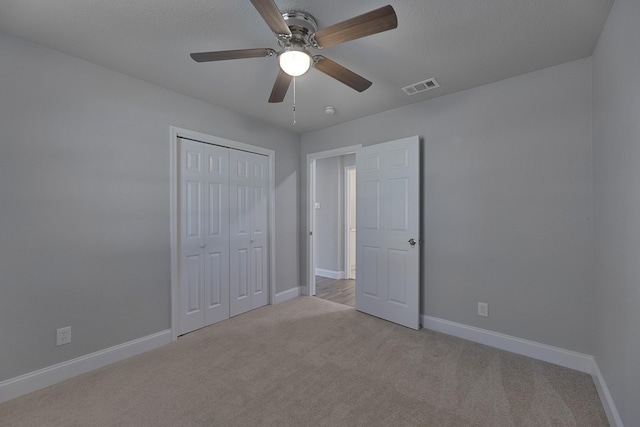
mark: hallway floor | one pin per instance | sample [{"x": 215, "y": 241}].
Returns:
[{"x": 340, "y": 291}]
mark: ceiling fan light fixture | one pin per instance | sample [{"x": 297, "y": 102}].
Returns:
[{"x": 295, "y": 61}]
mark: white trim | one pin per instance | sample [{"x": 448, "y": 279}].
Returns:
[
  {"x": 336, "y": 275},
  {"x": 41, "y": 378},
  {"x": 605, "y": 397},
  {"x": 556, "y": 355},
  {"x": 173, "y": 231},
  {"x": 310, "y": 287},
  {"x": 175, "y": 133},
  {"x": 287, "y": 295}
]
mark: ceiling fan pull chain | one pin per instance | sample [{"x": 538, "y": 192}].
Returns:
[{"x": 294, "y": 100}]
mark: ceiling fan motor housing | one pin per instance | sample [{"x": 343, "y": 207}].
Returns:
[
  {"x": 302, "y": 25},
  {"x": 294, "y": 58}
]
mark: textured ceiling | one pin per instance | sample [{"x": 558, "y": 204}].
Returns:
[{"x": 462, "y": 43}]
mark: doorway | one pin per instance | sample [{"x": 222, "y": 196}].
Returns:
[
  {"x": 339, "y": 286},
  {"x": 334, "y": 207},
  {"x": 330, "y": 204},
  {"x": 388, "y": 228}
]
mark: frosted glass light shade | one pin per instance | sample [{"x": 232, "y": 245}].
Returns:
[{"x": 295, "y": 62}]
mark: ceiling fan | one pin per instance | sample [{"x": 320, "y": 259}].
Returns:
[{"x": 296, "y": 32}]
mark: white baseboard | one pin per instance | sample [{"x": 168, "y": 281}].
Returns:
[
  {"x": 336, "y": 275},
  {"x": 605, "y": 397},
  {"x": 287, "y": 295},
  {"x": 36, "y": 380},
  {"x": 556, "y": 355}
]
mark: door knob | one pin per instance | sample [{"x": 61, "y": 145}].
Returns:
[
  {"x": 203, "y": 246},
  {"x": 412, "y": 241}
]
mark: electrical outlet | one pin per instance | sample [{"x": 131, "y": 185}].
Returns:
[
  {"x": 483, "y": 309},
  {"x": 63, "y": 336}
]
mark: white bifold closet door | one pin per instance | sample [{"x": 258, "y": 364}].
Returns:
[
  {"x": 223, "y": 233},
  {"x": 248, "y": 255}
]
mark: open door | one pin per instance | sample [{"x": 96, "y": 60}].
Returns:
[{"x": 388, "y": 230}]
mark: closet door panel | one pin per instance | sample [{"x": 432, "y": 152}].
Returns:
[
  {"x": 193, "y": 267},
  {"x": 259, "y": 235},
  {"x": 249, "y": 237},
  {"x": 240, "y": 204},
  {"x": 243, "y": 275},
  {"x": 216, "y": 180},
  {"x": 192, "y": 236}
]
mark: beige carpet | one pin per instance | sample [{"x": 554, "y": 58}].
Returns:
[{"x": 314, "y": 362}]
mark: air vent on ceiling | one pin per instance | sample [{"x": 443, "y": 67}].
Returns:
[{"x": 421, "y": 86}]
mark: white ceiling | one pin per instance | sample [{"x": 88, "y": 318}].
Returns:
[{"x": 462, "y": 43}]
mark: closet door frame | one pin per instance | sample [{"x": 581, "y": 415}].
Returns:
[{"x": 176, "y": 133}]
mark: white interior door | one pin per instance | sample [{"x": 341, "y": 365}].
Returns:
[
  {"x": 204, "y": 235},
  {"x": 388, "y": 230},
  {"x": 249, "y": 270}
]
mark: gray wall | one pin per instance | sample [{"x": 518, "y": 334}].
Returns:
[
  {"x": 84, "y": 202},
  {"x": 616, "y": 152},
  {"x": 507, "y": 201}
]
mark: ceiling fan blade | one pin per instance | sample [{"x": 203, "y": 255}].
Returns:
[
  {"x": 373, "y": 22},
  {"x": 340, "y": 73},
  {"x": 224, "y": 55},
  {"x": 280, "y": 87},
  {"x": 272, "y": 16}
]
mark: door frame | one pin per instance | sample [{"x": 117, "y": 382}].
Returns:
[
  {"x": 347, "y": 215},
  {"x": 310, "y": 288},
  {"x": 175, "y": 133}
]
